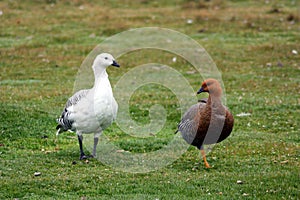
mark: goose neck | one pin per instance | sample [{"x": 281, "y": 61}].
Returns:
[
  {"x": 99, "y": 74},
  {"x": 214, "y": 102}
]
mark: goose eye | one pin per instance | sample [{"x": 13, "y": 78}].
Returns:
[{"x": 105, "y": 58}]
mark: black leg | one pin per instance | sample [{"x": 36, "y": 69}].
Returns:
[{"x": 82, "y": 155}]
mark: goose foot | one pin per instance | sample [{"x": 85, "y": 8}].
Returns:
[
  {"x": 84, "y": 157},
  {"x": 204, "y": 159},
  {"x": 207, "y": 165}
]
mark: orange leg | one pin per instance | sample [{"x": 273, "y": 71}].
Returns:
[{"x": 204, "y": 159}]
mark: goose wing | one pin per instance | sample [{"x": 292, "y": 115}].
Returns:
[
  {"x": 188, "y": 125},
  {"x": 64, "y": 123}
]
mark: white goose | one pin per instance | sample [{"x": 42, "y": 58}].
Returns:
[{"x": 91, "y": 110}]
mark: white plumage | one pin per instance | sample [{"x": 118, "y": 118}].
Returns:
[{"x": 91, "y": 110}]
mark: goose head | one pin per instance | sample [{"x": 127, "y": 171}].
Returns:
[
  {"x": 211, "y": 86},
  {"x": 104, "y": 60}
]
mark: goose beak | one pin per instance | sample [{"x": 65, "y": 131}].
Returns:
[
  {"x": 115, "y": 64},
  {"x": 200, "y": 90}
]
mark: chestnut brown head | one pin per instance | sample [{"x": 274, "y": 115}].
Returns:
[{"x": 211, "y": 86}]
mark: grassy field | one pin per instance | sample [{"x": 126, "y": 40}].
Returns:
[{"x": 255, "y": 45}]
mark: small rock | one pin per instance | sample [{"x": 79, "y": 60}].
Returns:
[
  {"x": 284, "y": 162},
  {"x": 45, "y": 60},
  {"x": 191, "y": 72},
  {"x": 269, "y": 64},
  {"x": 295, "y": 52},
  {"x": 290, "y": 18},
  {"x": 239, "y": 182},
  {"x": 275, "y": 10},
  {"x": 87, "y": 161},
  {"x": 202, "y": 30},
  {"x": 29, "y": 37},
  {"x": 243, "y": 114},
  {"x": 1, "y": 12},
  {"x": 174, "y": 59},
  {"x": 122, "y": 151},
  {"x": 279, "y": 64},
  {"x": 189, "y": 21},
  {"x": 245, "y": 194},
  {"x": 37, "y": 173},
  {"x": 93, "y": 35}
]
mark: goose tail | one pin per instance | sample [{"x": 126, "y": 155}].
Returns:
[{"x": 59, "y": 129}]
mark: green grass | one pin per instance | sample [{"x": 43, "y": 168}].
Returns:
[{"x": 42, "y": 45}]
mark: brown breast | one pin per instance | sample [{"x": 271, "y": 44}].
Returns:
[{"x": 214, "y": 125}]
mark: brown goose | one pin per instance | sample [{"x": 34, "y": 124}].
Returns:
[{"x": 208, "y": 121}]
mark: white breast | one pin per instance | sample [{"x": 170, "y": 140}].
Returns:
[
  {"x": 105, "y": 105},
  {"x": 97, "y": 111}
]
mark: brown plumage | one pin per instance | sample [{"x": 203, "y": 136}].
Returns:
[{"x": 208, "y": 121}]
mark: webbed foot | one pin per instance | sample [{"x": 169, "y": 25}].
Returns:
[{"x": 84, "y": 157}]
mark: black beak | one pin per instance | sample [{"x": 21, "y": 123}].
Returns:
[
  {"x": 115, "y": 64},
  {"x": 200, "y": 90}
]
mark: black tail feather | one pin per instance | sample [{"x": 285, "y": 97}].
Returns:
[{"x": 58, "y": 126}]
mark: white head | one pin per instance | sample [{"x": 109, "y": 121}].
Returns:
[{"x": 104, "y": 60}]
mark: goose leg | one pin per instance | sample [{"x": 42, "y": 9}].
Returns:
[
  {"x": 204, "y": 158},
  {"x": 95, "y": 146},
  {"x": 96, "y": 139},
  {"x": 82, "y": 155}
]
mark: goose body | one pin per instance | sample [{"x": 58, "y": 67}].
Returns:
[
  {"x": 208, "y": 121},
  {"x": 91, "y": 110}
]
